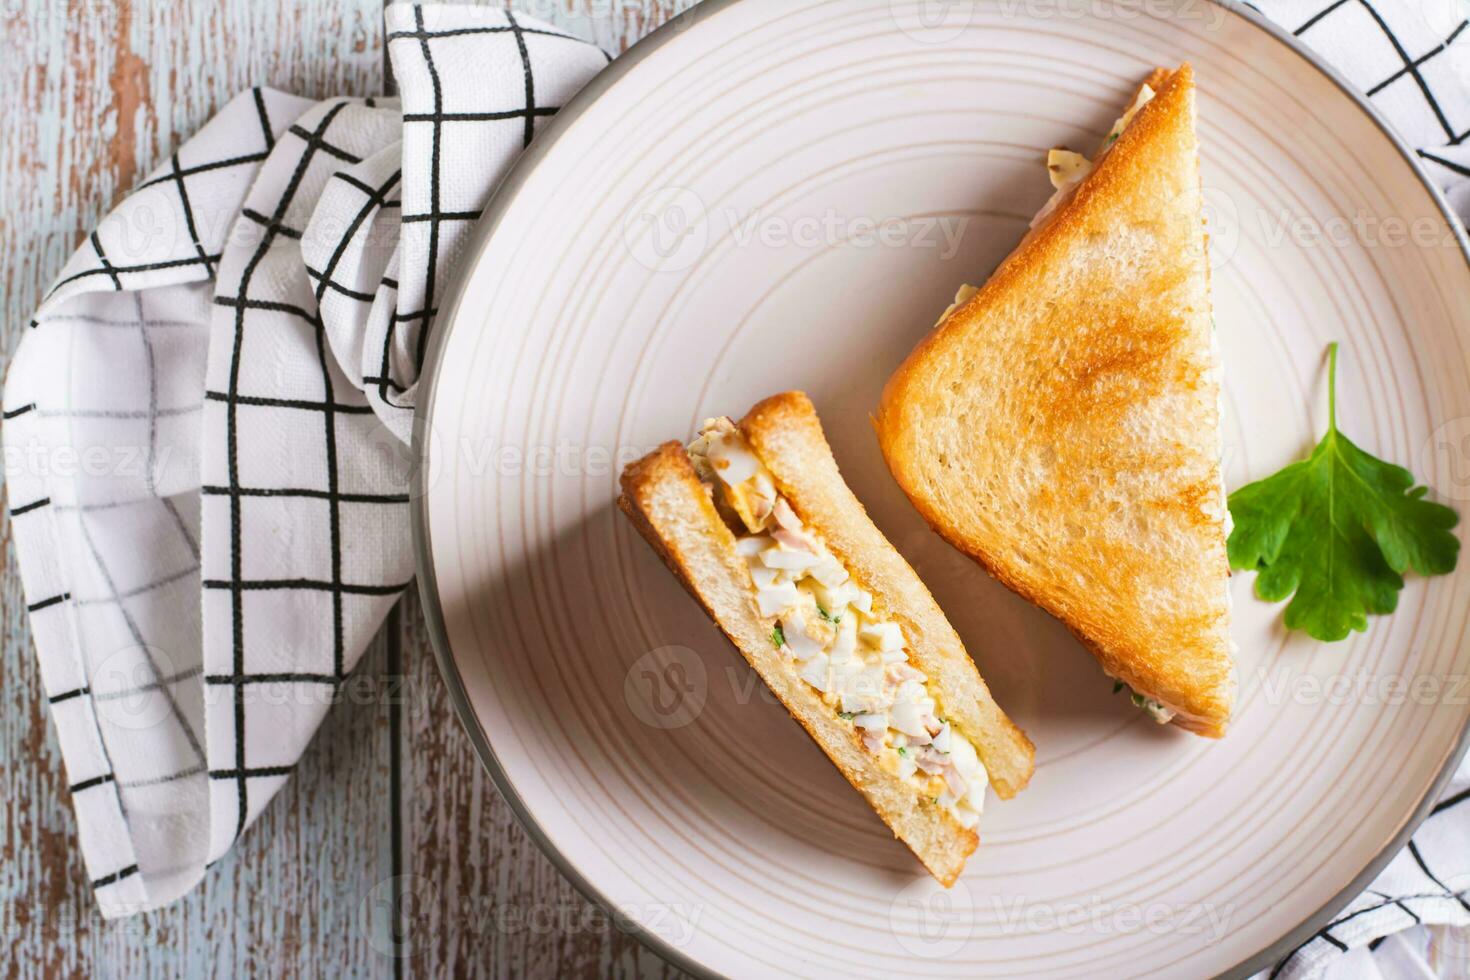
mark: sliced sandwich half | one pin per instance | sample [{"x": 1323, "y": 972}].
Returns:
[
  {"x": 1062, "y": 423},
  {"x": 757, "y": 521}
]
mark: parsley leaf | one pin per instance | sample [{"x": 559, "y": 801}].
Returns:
[
  {"x": 778, "y": 638},
  {"x": 1336, "y": 531}
]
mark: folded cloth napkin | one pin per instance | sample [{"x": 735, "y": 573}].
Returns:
[
  {"x": 206, "y": 426},
  {"x": 205, "y": 430}
]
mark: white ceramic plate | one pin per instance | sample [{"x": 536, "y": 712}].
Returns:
[{"x": 774, "y": 194}]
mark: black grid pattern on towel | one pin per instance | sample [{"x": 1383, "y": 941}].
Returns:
[
  {"x": 441, "y": 121},
  {"x": 1379, "y": 914},
  {"x": 106, "y": 691},
  {"x": 309, "y": 144},
  {"x": 265, "y": 168},
  {"x": 180, "y": 177},
  {"x": 119, "y": 600},
  {"x": 1392, "y": 22},
  {"x": 374, "y": 199}
]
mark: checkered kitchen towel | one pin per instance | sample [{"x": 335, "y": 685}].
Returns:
[
  {"x": 204, "y": 435},
  {"x": 204, "y": 427}
]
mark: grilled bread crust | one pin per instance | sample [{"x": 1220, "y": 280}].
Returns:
[
  {"x": 1063, "y": 426},
  {"x": 785, "y": 432},
  {"x": 671, "y": 508}
]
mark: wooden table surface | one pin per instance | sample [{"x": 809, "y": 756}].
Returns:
[{"x": 389, "y": 809}]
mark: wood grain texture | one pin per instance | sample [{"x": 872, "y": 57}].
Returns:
[
  {"x": 97, "y": 94},
  {"x": 480, "y": 898},
  {"x": 483, "y": 900},
  {"x": 332, "y": 879}
]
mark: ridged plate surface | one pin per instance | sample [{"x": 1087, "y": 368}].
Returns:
[{"x": 784, "y": 194}]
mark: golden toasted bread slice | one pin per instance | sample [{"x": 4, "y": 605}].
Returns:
[
  {"x": 856, "y": 607},
  {"x": 1062, "y": 426}
]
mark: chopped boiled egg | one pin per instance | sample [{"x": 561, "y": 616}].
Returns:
[
  {"x": 882, "y": 636},
  {"x": 1140, "y": 99},
  {"x": 962, "y": 296},
  {"x": 830, "y": 633},
  {"x": 1066, "y": 167},
  {"x": 794, "y": 628},
  {"x": 816, "y": 672},
  {"x": 781, "y": 557},
  {"x": 774, "y": 599}
]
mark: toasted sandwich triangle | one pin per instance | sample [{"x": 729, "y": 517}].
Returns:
[
  {"x": 1063, "y": 426},
  {"x": 676, "y": 512}
]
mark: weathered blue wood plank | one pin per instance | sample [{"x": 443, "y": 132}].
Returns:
[
  {"x": 99, "y": 92},
  {"x": 485, "y": 901}
]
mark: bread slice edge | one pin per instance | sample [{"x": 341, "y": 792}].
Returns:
[
  {"x": 787, "y": 434},
  {"x": 1202, "y": 708},
  {"x": 669, "y": 506}
]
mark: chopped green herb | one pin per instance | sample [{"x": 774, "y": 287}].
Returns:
[
  {"x": 1117, "y": 686},
  {"x": 846, "y": 715},
  {"x": 903, "y": 751},
  {"x": 827, "y": 616},
  {"x": 1336, "y": 531},
  {"x": 778, "y": 637},
  {"x": 1113, "y": 138}
]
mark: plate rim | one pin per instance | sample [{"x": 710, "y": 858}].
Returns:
[{"x": 501, "y": 199}]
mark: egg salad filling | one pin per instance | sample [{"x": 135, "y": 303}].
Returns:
[
  {"x": 832, "y": 635},
  {"x": 1068, "y": 168},
  {"x": 1156, "y": 709}
]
